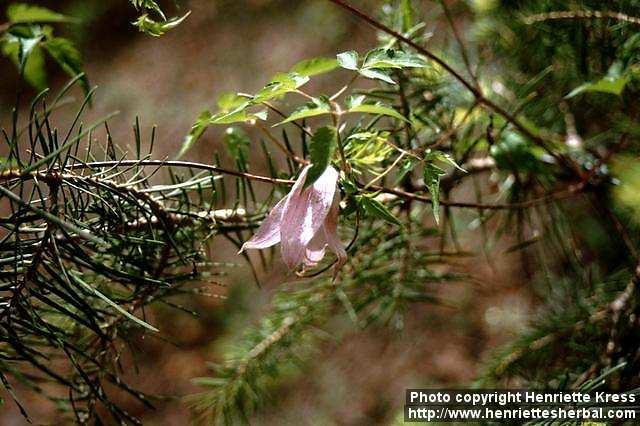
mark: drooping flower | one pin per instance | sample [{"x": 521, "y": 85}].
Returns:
[{"x": 304, "y": 222}]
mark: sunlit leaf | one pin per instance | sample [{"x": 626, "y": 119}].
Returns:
[
  {"x": 348, "y": 60},
  {"x": 353, "y": 101},
  {"x": 21, "y": 13},
  {"x": 280, "y": 85},
  {"x": 376, "y": 74},
  {"x": 315, "y": 66},
  {"x": 378, "y": 109},
  {"x": 238, "y": 115},
  {"x": 444, "y": 157},
  {"x": 391, "y": 58},
  {"x": 319, "y": 106},
  {"x": 230, "y": 101},
  {"x": 196, "y": 132}
]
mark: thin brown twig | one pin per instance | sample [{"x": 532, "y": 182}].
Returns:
[
  {"x": 554, "y": 196},
  {"x": 283, "y": 115},
  {"x": 463, "y": 48},
  {"x": 279, "y": 144},
  {"x": 9, "y": 175}
]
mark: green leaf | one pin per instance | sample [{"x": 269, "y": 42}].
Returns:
[
  {"x": 318, "y": 106},
  {"x": 375, "y": 208},
  {"x": 377, "y": 109},
  {"x": 354, "y": 100},
  {"x": 407, "y": 165},
  {"x": 315, "y": 66},
  {"x": 321, "y": 149},
  {"x": 238, "y": 115},
  {"x": 612, "y": 85},
  {"x": 148, "y": 5},
  {"x": 381, "y": 58},
  {"x": 348, "y": 60},
  {"x": 432, "y": 174},
  {"x": 444, "y": 157},
  {"x": 229, "y": 101},
  {"x": 155, "y": 28},
  {"x": 375, "y": 74},
  {"x": 34, "y": 69},
  {"x": 67, "y": 56},
  {"x": 21, "y": 13},
  {"x": 196, "y": 132},
  {"x": 280, "y": 85},
  {"x": 18, "y": 48}
]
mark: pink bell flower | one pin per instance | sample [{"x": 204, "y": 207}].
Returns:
[{"x": 304, "y": 222}]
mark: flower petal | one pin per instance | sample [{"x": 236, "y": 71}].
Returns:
[
  {"x": 315, "y": 249},
  {"x": 304, "y": 213},
  {"x": 331, "y": 233},
  {"x": 269, "y": 232}
]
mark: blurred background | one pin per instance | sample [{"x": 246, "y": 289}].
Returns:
[{"x": 357, "y": 377}]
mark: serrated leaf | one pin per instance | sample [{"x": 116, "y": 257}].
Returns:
[
  {"x": 319, "y": 106},
  {"x": 280, "y": 85},
  {"x": 378, "y": 109},
  {"x": 348, "y": 60},
  {"x": 321, "y": 149},
  {"x": 432, "y": 174},
  {"x": 67, "y": 56},
  {"x": 376, "y": 75},
  {"x": 21, "y": 13},
  {"x": 376, "y": 209},
  {"x": 315, "y": 66},
  {"x": 196, "y": 132},
  {"x": 444, "y": 157},
  {"x": 382, "y": 58}
]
